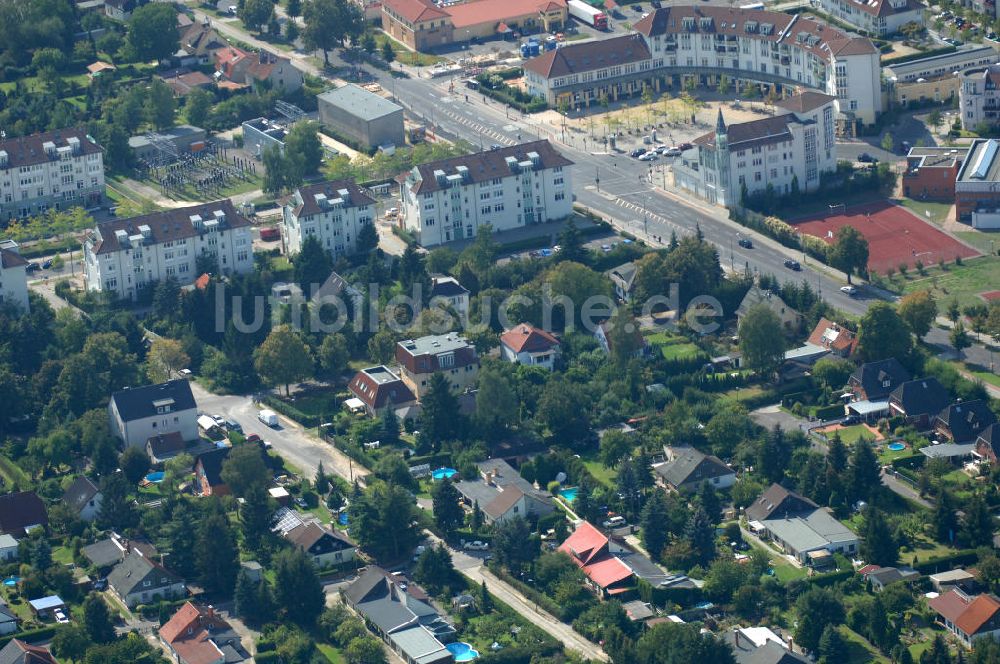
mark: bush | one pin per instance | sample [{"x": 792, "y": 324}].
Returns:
[
  {"x": 31, "y": 635},
  {"x": 291, "y": 411},
  {"x": 554, "y": 487}
]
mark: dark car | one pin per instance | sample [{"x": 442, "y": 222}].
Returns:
[
  {"x": 32, "y": 266},
  {"x": 637, "y": 8},
  {"x": 638, "y": 152},
  {"x": 850, "y": 419},
  {"x": 746, "y": 243},
  {"x": 793, "y": 265},
  {"x": 47, "y": 264},
  {"x": 495, "y": 146},
  {"x": 866, "y": 158},
  {"x": 233, "y": 425},
  {"x": 685, "y": 146}
]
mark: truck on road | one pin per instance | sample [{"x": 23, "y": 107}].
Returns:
[
  {"x": 588, "y": 14},
  {"x": 268, "y": 417}
]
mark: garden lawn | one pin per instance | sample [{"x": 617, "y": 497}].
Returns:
[
  {"x": 674, "y": 347},
  {"x": 985, "y": 242},
  {"x": 318, "y": 403},
  {"x": 62, "y": 555},
  {"x": 332, "y": 654},
  {"x": 964, "y": 282},
  {"x": 938, "y": 211},
  {"x": 601, "y": 473},
  {"x": 852, "y": 434},
  {"x": 12, "y": 473},
  {"x": 860, "y": 651},
  {"x": 888, "y": 456},
  {"x": 405, "y": 55},
  {"x": 984, "y": 376}
]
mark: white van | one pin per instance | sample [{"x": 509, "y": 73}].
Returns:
[{"x": 268, "y": 417}]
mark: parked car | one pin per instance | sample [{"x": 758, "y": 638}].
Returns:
[
  {"x": 233, "y": 425},
  {"x": 475, "y": 546},
  {"x": 673, "y": 152},
  {"x": 268, "y": 417},
  {"x": 615, "y": 522},
  {"x": 793, "y": 265},
  {"x": 60, "y": 616},
  {"x": 300, "y": 502},
  {"x": 47, "y": 264},
  {"x": 849, "y": 290},
  {"x": 649, "y": 156},
  {"x": 638, "y": 152},
  {"x": 866, "y": 158},
  {"x": 850, "y": 419},
  {"x": 254, "y": 438},
  {"x": 32, "y": 267},
  {"x": 637, "y": 8},
  {"x": 745, "y": 242},
  {"x": 685, "y": 146}
]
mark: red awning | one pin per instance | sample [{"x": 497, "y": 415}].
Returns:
[{"x": 503, "y": 27}]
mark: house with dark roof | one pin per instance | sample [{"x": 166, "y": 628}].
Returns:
[
  {"x": 442, "y": 200},
  {"x": 623, "y": 278},
  {"x": 880, "y": 577},
  {"x": 139, "y": 580},
  {"x": 988, "y": 444},
  {"x": 326, "y": 548},
  {"x": 333, "y": 212},
  {"x": 606, "y": 340},
  {"x": 835, "y": 338},
  {"x": 13, "y": 276},
  {"x": 529, "y": 345},
  {"x": 968, "y": 618},
  {"x": 918, "y": 401},
  {"x": 8, "y": 620},
  {"x": 502, "y": 493},
  {"x": 449, "y": 354},
  {"x": 106, "y": 553},
  {"x": 137, "y": 414},
  {"x": 20, "y": 652},
  {"x": 22, "y": 512},
  {"x": 208, "y": 472},
  {"x": 165, "y": 446},
  {"x": 688, "y": 469},
  {"x": 448, "y": 291},
  {"x": 760, "y": 645},
  {"x": 964, "y": 421},
  {"x": 411, "y": 627},
  {"x": 198, "y": 43},
  {"x": 871, "y": 384},
  {"x": 800, "y": 527},
  {"x": 196, "y": 634},
  {"x": 83, "y": 498},
  {"x": 791, "y": 320},
  {"x": 379, "y": 388}
]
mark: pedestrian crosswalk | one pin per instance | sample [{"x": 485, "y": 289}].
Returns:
[{"x": 480, "y": 129}]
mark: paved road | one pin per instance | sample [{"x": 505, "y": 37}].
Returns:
[
  {"x": 294, "y": 443},
  {"x": 904, "y": 489}
]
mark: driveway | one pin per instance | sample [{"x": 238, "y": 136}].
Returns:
[{"x": 296, "y": 444}]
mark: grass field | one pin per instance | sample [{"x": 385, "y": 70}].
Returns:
[
  {"x": 317, "y": 402},
  {"x": 860, "y": 651},
  {"x": 332, "y": 654},
  {"x": 673, "y": 347},
  {"x": 12, "y": 473},
  {"x": 938, "y": 211},
  {"x": 985, "y": 242},
  {"x": 850, "y": 435},
  {"x": 985, "y": 376},
  {"x": 602, "y": 474},
  {"x": 964, "y": 282},
  {"x": 405, "y": 55}
]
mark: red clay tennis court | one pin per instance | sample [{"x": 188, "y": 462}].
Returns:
[{"x": 895, "y": 235}]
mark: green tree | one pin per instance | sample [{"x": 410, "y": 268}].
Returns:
[
  {"x": 333, "y": 355},
  {"x": 166, "y": 357},
  {"x": 709, "y": 501},
  {"x": 197, "y": 104},
  {"x": 615, "y": 445},
  {"x": 70, "y": 642},
  {"x": 883, "y": 334},
  {"x": 497, "y": 405},
  {"x": 878, "y": 545},
  {"x": 368, "y": 43},
  {"x": 152, "y": 31},
  {"x": 216, "y": 552},
  {"x": 160, "y": 104},
  {"x": 388, "y": 52},
  {"x": 312, "y": 264},
  {"x": 255, "y": 516},
  {"x": 833, "y": 372},
  {"x": 700, "y": 534},
  {"x": 252, "y": 599},
  {"x": 364, "y": 650},
  {"x": 864, "y": 479},
  {"x": 953, "y": 312},
  {"x": 276, "y": 171},
  {"x": 562, "y": 409},
  {"x": 255, "y": 14},
  {"x": 849, "y": 251},
  {"x": 448, "y": 512},
  {"x": 513, "y": 544},
  {"x": 918, "y": 310},
  {"x": 134, "y": 464},
  {"x": 383, "y": 520},
  {"x": 440, "y": 419},
  {"x": 888, "y": 142},
  {"x": 943, "y": 518},
  {"x": 328, "y": 23},
  {"x": 762, "y": 340},
  {"x": 97, "y": 619},
  {"x": 117, "y": 508},
  {"x": 304, "y": 149},
  {"x": 977, "y": 523},
  {"x": 245, "y": 470},
  {"x": 434, "y": 570},
  {"x": 283, "y": 358},
  {"x": 816, "y": 608},
  {"x": 959, "y": 338},
  {"x": 297, "y": 589},
  {"x": 571, "y": 244},
  {"x": 367, "y": 240},
  {"x": 832, "y": 646},
  {"x": 675, "y": 643},
  {"x": 653, "y": 524}
]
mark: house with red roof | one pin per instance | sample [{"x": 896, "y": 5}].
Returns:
[
  {"x": 967, "y": 617},
  {"x": 833, "y": 337},
  {"x": 590, "y": 549},
  {"x": 198, "y": 635},
  {"x": 244, "y": 69},
  {"x": 529, "y": 345},
  {"x": 20, "y": 652}
]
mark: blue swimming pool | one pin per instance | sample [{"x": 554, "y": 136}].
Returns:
[
  {"x": 155, "y": 477},
  {"x": 569, "y": 495},
  {"x": 12, "y": 581},
  {"x": 444, "y": 473},
  {"x": 463, "y": 652},
  {"x": 342, "y": 519},
  {"x": 897, "y": 447}
]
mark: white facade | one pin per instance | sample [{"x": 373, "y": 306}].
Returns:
[
  {"x": 779, "y": 152},
  {"x": 54, "y": 170},
  {"x": 9, "y": 549},
  {"x": 544, "y": 359},
  {"x": 124, "y": 255},
  {"x": 979, "y": 96},
  {"x": 13, "y": 276},
  {"x": 138, "y": 414},
  {"x": 877, "y": 17},
  {"x": 333, "y": 212},
  {"x": 507, "y": 188}
]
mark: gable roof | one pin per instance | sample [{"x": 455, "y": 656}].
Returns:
[
  {"x": 692, "y": 466},
  {"x": 127, "y": 577},
  {"x": 464, "y": 15},
  {"x": 415, "y": 11},
  {"x": 308, "y": 534},
  {"x": 806, "y": 101},
  {"x": 991, "y": 438},
  {"x": 497, "y": 478},
  {"x": 966, "y": 613},
  {"x": 485, "y": 166},
  {"x": 80, "y": 492},
  {"x": 924, "y": 396},
  {"x": 779, "y": 502},
  {"x": 873, "y": 376},
  {"x": 833, "y": 336},
  {"x": 379, "y": 387},
  {"x": 20, "y": 652},
  {"x": 589, "y": 549},
  {"x": 164, "y": 445},
  {"x": 526, "y": 338},
  {"x": 307, "y": 203},
  {"x": 211, "y": 462},
  {"x": 589, "y": 56},
  {"x": 624, "y": 274},
  {"x": 198, "y": 635},
  {"x": 445, "y": 286},
  {"x": 104, "y": 553},
  {"x": 757, "y": 295},
  {"x": 141, "y": 402},
  {"x": 167, "y": 225},
  {"x": 31, "y": 150},
  {"x": 21, "y": 510},
  {"x": 505, "y": 500},
  {"x": 967, "y": 419},
  {"x": 10, "y": 259}
]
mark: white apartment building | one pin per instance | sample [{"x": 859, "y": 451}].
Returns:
[
  {"x": 796, "y": 146},
  {"x": 705, "y": 43},
  {"x": 13, "y": 276},
  {"x": 506, "y": 187},
  {"x": 53, "y": 170},
  {"x": 879, "y": 18},
  {"x": 979, "y": 96},
  {"x": 334, "y": 212},
  {"x": 137, "y": 414},
  {"x": 122, "y": 256}
]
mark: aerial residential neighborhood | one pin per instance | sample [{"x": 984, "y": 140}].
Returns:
[{"x": 513, "y": 332}]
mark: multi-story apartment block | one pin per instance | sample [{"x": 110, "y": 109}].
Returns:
[
  {"x": 784, "y": 152},
  {"x": 13, "y": 276},
  {"x": 54, "y": 170},
  {"x": 506, "y": 187},
  {"x": 334, "y": 212},
  {"x": 139, "y": 413},
  {"x": 450, "y": 354},
  {"x": 707, "y": 43},
  {"x": 935, "y": 77},
  {"x": 122, "y": 256},
  {"x": 879, "y": 18},
  {"x": 979, "y": 97}
]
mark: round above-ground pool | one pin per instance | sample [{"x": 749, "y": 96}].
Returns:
[
  {"x": 462, "y": 651},
  {"x": 897, "y": 447},
  {"x": 444, "y": 473},
  {"x": 342, "y": 519},
  {"x": 12, "y": 581},
  {"x": 569, "y": 495},
  {"x": 155, "y": 477}
]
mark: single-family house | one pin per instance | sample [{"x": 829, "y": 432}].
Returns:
[
  {"x": 880, "y": 577},
  {"x": 791, "y": 320},
  {"x": 688, "y": 469},
  {"x": 502, "y": 493},
  {"x": 964, "y": 421},
  {"x": 800, "y": 527},
  {"x": 326, "y": 548},
  {"x": 197, "y": 44},
  {"x": 590, "y": 550},
  {"x": 83, "y": 498},
  {"x": 760, "y": 645},
  {"x": 198, "y": 635},
  {"x": 379, "y": 388},
  {"x": 8, "y": 621},
  {"x": 164, "y": 446},
  {"x": 967, "y": 617},
  {"x": 120, "y": 10},
  {"x": 139, "y": 413},
  {"x": 623, "y": 279},
  {"x": 21, "y": 512},
  {"x": 138, "y": 580},
  {"x": 20, "y": 652},
  {"x": 447, "y": 290},
  {"x": 874, "y": 381},
  {"x": 106, "y": 553},
  {"x": 8, "y": 548},
  {"x": 529, "y": 345},
  {"x": 988, "y": 444},
  {"x": 450, "y": 354},
  {"x": 183, "y": 82},
  {"x": 919, "y": 401},
  {"x": 837, "y": 339},
  {"x": 410, "y": 626},
  {"x": 208, "y": 472},
  {"x": 606, "y": 339},
  {"x": 262, "y": 69}
]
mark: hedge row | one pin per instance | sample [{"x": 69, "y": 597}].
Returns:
[
  {"x": 544, "y": 601},
  {"x": 830, "y": 412},
  {"x": 269, "y": 657},
  {"x": 31, "y": 635},
  {"x": 291, "y": 411}
]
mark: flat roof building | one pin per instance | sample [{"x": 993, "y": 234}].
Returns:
[
  {"x": 183, "y": 139},
  {"x": 977, "y": 186},
  {"x": 361, "y": 116},
  {"x": 931, "y": 172}
]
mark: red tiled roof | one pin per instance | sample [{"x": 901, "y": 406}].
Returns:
[
  {"x": 414, "y": 11},
  {"x": 949, "y": 605},
  {"x": 838, "y": 338},
  {"x": 980, "y": 611},
  {"x": 487, "y": 11},
  {"x": 585, "y": 543},
  {"x": 607, "y": 571},
  {"x": 32, "y": 654},
  {"x": 201, "y": 283},
  {"x": 528, "y": 338},
  {"x": 189, "y": 633}
]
